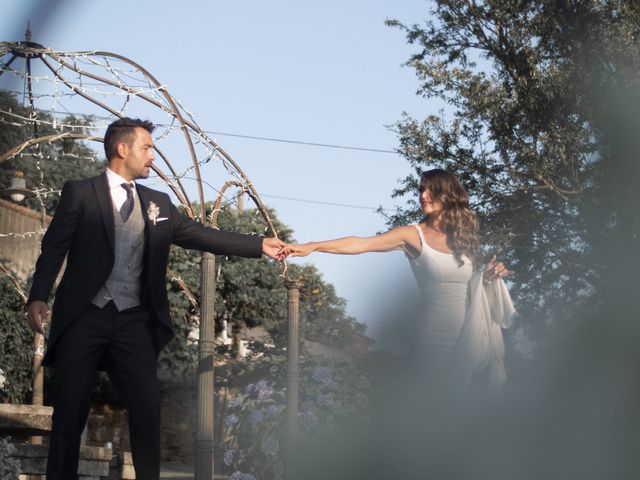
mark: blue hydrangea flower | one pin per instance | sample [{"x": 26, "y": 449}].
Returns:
[
  {"x": 278, "y": 469},
  {"x": 307, "y": 405},
  {"x": 273, "y": 411},
  {"x": 241, "y": 476},
  {"x": 308, "y": 420},
  {"x": 264, "y": 389},
  {"x": 270, "y": 445},
  {"x": 324, "y": 400},
  {"x": 231, "y": 420},
  {"x": 323, "y": 375},
  {"x": 249, "y": 389},
  {"x": 257, "y": 416},
  {"x": 229, "y": 457}
]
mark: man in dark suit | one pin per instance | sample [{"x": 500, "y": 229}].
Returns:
[{"x": 111, "y": 306}]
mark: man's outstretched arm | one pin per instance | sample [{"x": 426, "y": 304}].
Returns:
[{"x": 188, "y": 233}]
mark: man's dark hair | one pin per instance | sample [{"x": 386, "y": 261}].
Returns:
[{"x": 121, "y": 131}]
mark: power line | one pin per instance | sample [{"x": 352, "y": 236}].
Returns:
[
  {"x": 293, "y": 199},
  {"x": 300, "y": 142},
  {"x": 254, "y": 137},
  {"x": 319, "y": 202}
]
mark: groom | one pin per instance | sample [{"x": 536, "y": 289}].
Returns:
[{"x": 111, "y": 308}]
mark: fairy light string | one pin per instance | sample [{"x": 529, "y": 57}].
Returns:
[{"x": 112, "y": 84}]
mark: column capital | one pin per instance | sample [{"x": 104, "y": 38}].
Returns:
[{"x": 292, "y": 283}]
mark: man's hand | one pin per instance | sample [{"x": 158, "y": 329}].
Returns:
[
  {"x": 271, "y": 247},
  {"x": 37, "y": 313}
]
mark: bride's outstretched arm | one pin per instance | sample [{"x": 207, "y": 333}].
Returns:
[{"x": 396, "y": 239}]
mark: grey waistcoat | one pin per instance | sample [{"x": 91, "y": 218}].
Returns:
[{"x": 123, "y": 285}]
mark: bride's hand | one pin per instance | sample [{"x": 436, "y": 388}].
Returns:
[
  {"x": 295, "y": 250},
  {"x": 495, "y": 270}
]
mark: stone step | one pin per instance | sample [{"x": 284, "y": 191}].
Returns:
[
  {"x": 178, "y": 471},
  {"x": 94, "y": 461},
  {"x": 41, "y": 477},
  {"x": 86, "y": 452},
  {"x": 25, "y": 419}
]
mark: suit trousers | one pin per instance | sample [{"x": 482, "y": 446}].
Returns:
[{"x": 121, "y": 341}]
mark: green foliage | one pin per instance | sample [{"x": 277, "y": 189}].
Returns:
[
  {"x": 180, "y": 357},
  {"x": 527, "y": 87},
  {"x": 48, "y": 165},
  {"x": 251, "y": 292},
  {"x": 322, "y": 312},
  {"x": 16, "y": 345}
]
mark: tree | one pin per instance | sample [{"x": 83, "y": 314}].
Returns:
[
  {"x": 48, "y": 165},
  {"x": 251, "y": 293},
  {"x": 527, "y": 87},
  {"x": 322, "y": 311},
  {"x": 254, "y": 292}
]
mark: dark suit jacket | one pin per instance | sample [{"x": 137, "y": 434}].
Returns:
[{"x": 83, "y": 230}]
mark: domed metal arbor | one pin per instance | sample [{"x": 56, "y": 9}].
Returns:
[{"x": 61, "y": 83}]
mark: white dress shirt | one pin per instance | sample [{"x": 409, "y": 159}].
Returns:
[{"x": 118, "y": 193}]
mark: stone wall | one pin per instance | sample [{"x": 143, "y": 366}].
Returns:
[
  {"x": 179, "y": 416},
  {"x": 108, "y": 423},
  {"x": 22, "y": 252}
]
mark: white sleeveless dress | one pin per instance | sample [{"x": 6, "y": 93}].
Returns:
[{"x": 460, "y": 329}]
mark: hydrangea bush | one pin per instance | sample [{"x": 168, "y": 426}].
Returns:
[{"x": 332, "y": 396}]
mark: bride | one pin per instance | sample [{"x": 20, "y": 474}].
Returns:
[{"x": 464, "y": 309}]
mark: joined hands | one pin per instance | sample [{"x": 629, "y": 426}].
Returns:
[
  {"x": 294, "y": 250},
  {"x": 272, "y": 247}
]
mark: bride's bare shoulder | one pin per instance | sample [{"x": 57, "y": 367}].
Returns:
[
  {"x": 404, "y": 231},
  {"x": 406, "y": 228},
  {"x": 411, "y": 238}
]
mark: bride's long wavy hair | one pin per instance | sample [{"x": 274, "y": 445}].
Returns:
[{"x": 457, "y": 220}]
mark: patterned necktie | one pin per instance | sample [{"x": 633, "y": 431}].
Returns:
[{"x": 127, "y": 206}]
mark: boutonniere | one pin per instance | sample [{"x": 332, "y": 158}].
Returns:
[{"x": 153, "y": 211}]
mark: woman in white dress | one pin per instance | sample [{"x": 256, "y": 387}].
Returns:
[{"x": 463, "y": 312}]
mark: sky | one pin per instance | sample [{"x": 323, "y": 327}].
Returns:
[{"x": 323, "y": 72}]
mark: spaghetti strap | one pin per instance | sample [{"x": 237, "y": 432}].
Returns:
[{"x": 423, "y": 242}]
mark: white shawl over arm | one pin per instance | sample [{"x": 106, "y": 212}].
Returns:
[{"x": 480, "y": 345}]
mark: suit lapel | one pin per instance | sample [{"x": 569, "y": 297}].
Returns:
[
  {"x": 103, "y": 194},
  {"x": 143, "y": 195}
]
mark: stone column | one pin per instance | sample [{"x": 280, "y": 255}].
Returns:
[
  {"x": 205, "y": 434},
  {"x": 293, "y": 343}
]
